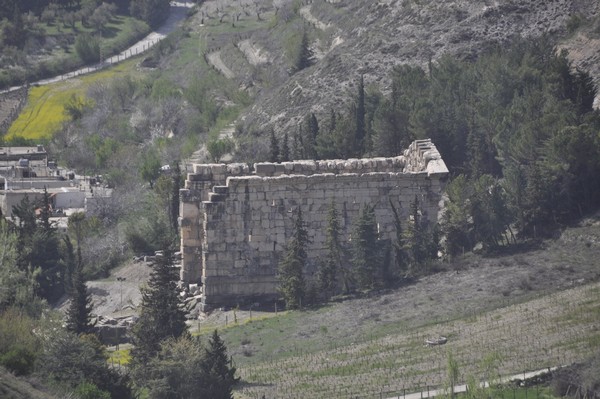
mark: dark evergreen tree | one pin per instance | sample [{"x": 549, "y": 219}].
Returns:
[
  {"x": 38, "y": 248},
  {"x": 299, "y": 148},
  {"x": 69, "y": 265},
  {"x": 76, "y": 223},
  {"x": 332, "y": 265},
  {"x": 489, "y": 213},
  {"x": 45, "y": 212},
  {"x": 218, "y": 371},
  {"x": 303, "y": 57},
  {"x": 175, "y": 197},
  {"x": 161, "y": 316},
  {"x": 457, "y": 221},
  {"x": 420, "y": 243},
  {"x": 23, "y": 215},
  {"x": 332, "y": 120},
  {"x": 296, "y": 146},
  {"x": 312, "y": 127},
  {"x": 391, "y": 125},
  {"x": 273, "y": 147},
  {"x": 45, "y": 255},
  {"x": 367, "y": 259},
  {"x": 72, "y": 360},
  {"x": 360, "y": 116},
  {"x": 79, "y": 312},
  {"x": 285, "y": 149},
  {"x": 585, "y": 91},
  {"x": 400, "y": 255},
  {"x": 179, "y": 370},
  {"x": 292, "y": 285}
]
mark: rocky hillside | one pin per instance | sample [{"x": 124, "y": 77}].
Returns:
[{"x": 349, "y": 38}]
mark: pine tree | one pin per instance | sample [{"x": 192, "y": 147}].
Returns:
[
  {"x": 398, "y": 246},
  {"x": 70, "y": 264},
  {"x": 162, "y": 315},
  {"x": 38, "y": 247},
  {"x": 46, "y": 256},
  {"x": 285, "y": 149},
  {"x": 291, "y": 270},
  {"x": 420, "y": 241},
  {"x": 366, "y": 250},
  {"x": 219, "y": 374},
  {"x": 45, "y": 212},
  {"x": 23, "y": 216},
  {"x": 80, "y": 308},
  {"x": 312, "y": 127},
  {"x": 360, "y": 114},
  {"x": 333, "y": 260},
  {"x": 332, "y": 120},
  {"x": 273, "y": 148},
  {"x": 175, "y": 197},
  {"x": 304, "y": 54}
]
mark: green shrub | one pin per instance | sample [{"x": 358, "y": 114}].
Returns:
[
  {"x": 88, "y": 48},
  {"x": 19, "y": 360},
  {"x": 575, "y": 22},
  {"x": 87, "y": 390}
]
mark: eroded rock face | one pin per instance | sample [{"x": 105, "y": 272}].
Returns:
[
  {"x": 370, "y": 37},
  {"x": 235, "y": 224}
]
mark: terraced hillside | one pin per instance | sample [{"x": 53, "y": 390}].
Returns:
[
  {"x": 351, "y": 38},
  {"x": 502, "y": 315}
]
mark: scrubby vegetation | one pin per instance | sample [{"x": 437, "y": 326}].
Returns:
[
  {"x": 44, "y": 38},
  {"x": 515, "y": 125}
]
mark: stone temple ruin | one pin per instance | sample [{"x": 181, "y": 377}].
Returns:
[{"x": 235, "y": 221}]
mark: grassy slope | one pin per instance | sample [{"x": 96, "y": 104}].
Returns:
[
  {"x": 12, "y": 387},
  {"x": 524, "y": 311},
  {"x": 44, "y": 111}
]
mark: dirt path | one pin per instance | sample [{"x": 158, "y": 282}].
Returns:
[
  {"x": 306, "y": 14},
  {"x": 178, "y": 13},
  {"x": 253, "y": 54},
  {"x": 215, "y": 60}
]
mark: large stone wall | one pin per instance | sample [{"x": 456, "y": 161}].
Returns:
[{"x": 235, "y": 223}]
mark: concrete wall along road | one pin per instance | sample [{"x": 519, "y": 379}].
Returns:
[{"x": 235, "y": 224}]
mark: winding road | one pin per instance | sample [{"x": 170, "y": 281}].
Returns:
[{"x": 178, "y": 13}]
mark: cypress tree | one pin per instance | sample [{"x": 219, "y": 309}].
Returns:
[
  {"x": 361, "y": 129},
  {"x": 333, "y": 261},
  {"x": 80, "y": 308},
  {"x": 420, "y": 241},
  {"x": 291, "y": 270},
  {"x": 45, "y": 255},
  {"x": 304, "y": 54},
  {"x": 274, "y": 148},
  {"x": 175, "y": 197},
  {"x": 366, "y": 254},
  {"x": 311, "y": 137},
  {"x": 285, "y": 149},
  {"x": 399, "y": 251},
  {"x": 23, "y": 216},
  {"x": 220, "y": 375},
  {"x": 161, "y": 316},
  {"x": 332, "y": 120},
  {"x": 45, "y": 212}
]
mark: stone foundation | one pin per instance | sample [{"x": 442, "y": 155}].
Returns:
[{"x": 235, "y": 222}]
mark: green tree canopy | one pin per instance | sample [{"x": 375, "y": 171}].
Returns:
[
  {"x": 292, "y": 285},
  {"x": 161, "y": 316}
]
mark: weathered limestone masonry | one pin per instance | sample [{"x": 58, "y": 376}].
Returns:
[{"x": 235, "y": 223}]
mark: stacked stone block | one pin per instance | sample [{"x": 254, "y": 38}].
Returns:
[{"x": 235, "y": 223}]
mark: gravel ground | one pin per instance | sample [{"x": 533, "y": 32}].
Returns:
[{"x": 114, "y": 298}]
